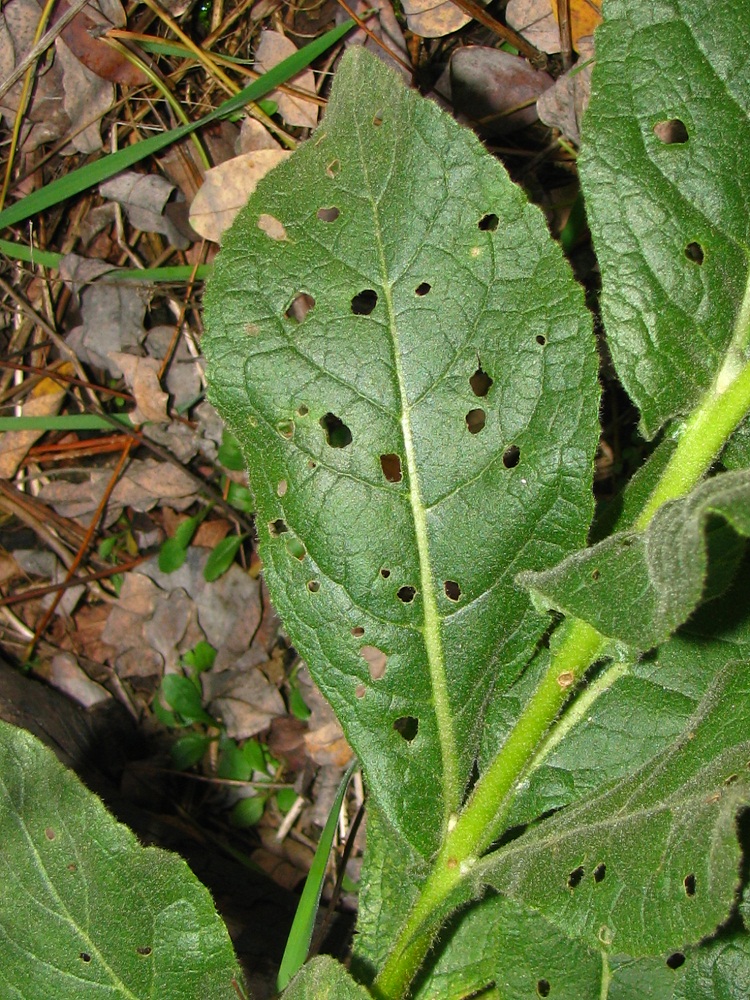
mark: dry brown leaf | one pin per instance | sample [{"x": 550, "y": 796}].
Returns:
[
  {"x": 584, "y": 17},
  {"x": 537, "y": 21},
  {"x": 226, "y": 189},
  {"x": 253, "y": 137},
  {"x": 83, "y": 37},
  {"x": 433, "y": 19},
  {"x": 146, "y": 199},
  {"x": 64, "y": 673},
  {"x": 142, "y": 378},
  {"x": 488, "y": 83},
  {"x": 273, "y": 48},
  {"x": 44, "y": 400},
  {"x": 563, "y": 105},
  {"x": 244, "y": 700},
  {"x": 112, "y": 322}
]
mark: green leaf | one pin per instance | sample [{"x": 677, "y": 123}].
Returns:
[
  {"x": 639, "y": 587},
  {"x": 668, "y": 198},
  {"x": 324, "y": 979},
  {"x": 230, "y": 453},
  {"x": 201, "y": 657},
  {"x": 182, "y": 695},
  {"x": 189, "y": 750},
  {"x": 650, "y": 864},
  {"x": 172, "y": 555},
  {"x": 248, "y": 811},
  {"x": 420, "y": 435},
  {"x": 240, "y": 498},
  {"x": 222, "y": 557},
  {"x": 84, "y": 909}
]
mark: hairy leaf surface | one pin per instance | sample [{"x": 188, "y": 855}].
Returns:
[
  {"x": 84, "y": 909},
  {"x": 667, "y": 184},
  {"x": 639, "y": 587},
  {"x": 407, "y": 363},
  {"x": 324, "y": 979}
]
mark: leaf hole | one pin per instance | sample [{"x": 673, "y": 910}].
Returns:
[
  {"x": 511, "y": 456},
  {"x": 671, "y": 131},
  {"x": 377, "y": 119},
  {"x": 574, "y": 879},
  {"x": 391, "y": 466},
  {"x": 338, "y": 434},
  {"x": 541, "y": 339},
  {"x": 333, "y": 168},
  {"x": 299, "y": 307},
  {"x": 313, "y": 586},
  {"x": 312, "y": 465},
  {"x": 595, "y": 574},
  {"x": 599, "y": 872},
  {"x": 730, "y": 779},
  {"x": 407, "y": 727},
  {"x": 143, "y": 950},
  {"x": 277, "y": 528},
  {"x": 376, "y": 661},
  {"x": 675, "y": 960},
  {"x": 358, "y": 631},
  {"x": 271, "y": 226},
  {"x": 406, "y": 594},
  {"x": 480, "y": 382},
  {"x": 49, "y": 833},
  {"x": 475, "y": 420},
  {"x": 385, "y": 573},
  {"x": 689, "y": 883},
  {"x": 488, "y": 223},
  {"x": 282, "y": 487},
  {"x": 302, "y": 410},
  {"x": 423, "y": 289},
  {"x": 85, "y": 957},
  {"x": 364, "y": 302},
  {"x": 694, "y": 252},
  {"x": 543, "y": 987},
  {"x": 328, "y": 214},
  {"x": 360, "y": 691},
  {"x": 296, "y": 548},
  {"x": 452, "y": 590},
  {"x": 285, "y": 428}
]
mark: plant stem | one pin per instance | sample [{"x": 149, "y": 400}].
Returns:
[{"x": 481, "y": 820}]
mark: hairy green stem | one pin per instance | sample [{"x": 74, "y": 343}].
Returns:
[{"x": 472, "y": 832}]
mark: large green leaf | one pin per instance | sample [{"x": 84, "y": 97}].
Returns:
[
  {"x": 651, "y": 863},
  {"x": 414, "y": 439},
  {"x": 640, "y": 586},
  {"x": 324, "y": 979},
  {"x": 84, "y": 909},
  {"x": 667, "y": 184}
]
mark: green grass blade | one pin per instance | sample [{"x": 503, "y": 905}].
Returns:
[
  {"x": 46, "y": 258},
  {"x": 301, "y": 933},
  {"x": 66, "y": 422},
  {"x": 94, "y": 173}
]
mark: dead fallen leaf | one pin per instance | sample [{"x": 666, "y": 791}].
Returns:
[
  {"x": 488, "y": 83},
  {"x": 142, "y": 378},
  {"x": 563, "y": 105},
  {"x": 83, "y": 37},
  {"x": 585, "y": 15},
  {"x": 65, "y": 674},
  {"x": 537, "y": 21},
  {"x": 272, "y": 49},
  {"x": 385, "y": 28},
  {"x": 253, "y": 137},
  {"x": 210, "y": 533},
  {"x": 243, "y": 700},
  {"x": 226, "y": 189},
  {"x": 146, "y": 198},
  {"x": 112, "y": 322},
  {"x": 433, "y": 19},
  {"x": 45, "y": 399}
]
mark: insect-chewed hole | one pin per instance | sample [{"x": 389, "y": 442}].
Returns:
[
  {"x": 333, "y": 168},
  {"x": 337, "y": 433},
  {"x": 285, "y": 428},
  {"x": 541, "y": 339},
  {"x": 364, "y": 302},
  {"x": 328, "y": 214},
  {"x": 385, "y": 573},
  {"x": 271, "y": 226},
  {"x": 689, "y": 883},
  {"x": 675, "y": 960},
  {"x": 475, "y": 420},
  {"x": 488, "y": 223},
  {"x": 376, "y": 661},
  {"x": 360, "y": 691},
  {"x": 511, "y": 456},
  {"x": 452, "y": 590},
  {"x": 299, "y": 307},
  {"x": 313, "y": 586},
  {"x": 296, "y": 548},
  {"x": 480, "y": 382},
  {"x": 574, "y": 879},
  {"x": 358, "y": 631},
  {"x": 391, "y": 466},
  {"x": 543, "y": 987},
  {"x": 671, "y": 131},
  {"x": 407, "y": 727},
  {"x": 85, "y": 957},
  {"x": 302, "y": 410},
  {"x": 595, "y": 574},
  {"x": 377, "y": 119},
  {"x": 406, "y": 594},
  {"x": 277, "y": 528},
  {"x": 282, "y": 487},
  {"x": 694, "y": 252},
  {"x": 49, "y": 833},
  {"x": 599, "y": 872},
  {"x": 143, "y": 950},
  {"x": 423, "y": 289}
]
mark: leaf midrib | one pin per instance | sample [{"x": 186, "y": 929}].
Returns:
[{"x": 431, "y": 628}]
